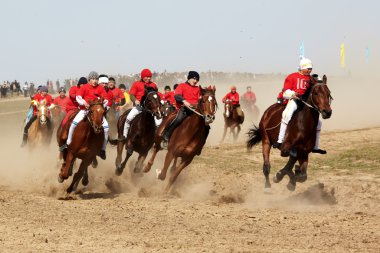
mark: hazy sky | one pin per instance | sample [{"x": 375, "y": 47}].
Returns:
[{"x": 43, "y": 39}]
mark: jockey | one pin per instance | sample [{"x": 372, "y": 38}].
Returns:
[
  {"x": 169, "y": 95},
  {"x": 123, "y": 88},
  {"x": 118, "y": 96},
  {"x": 233, "y": 96},
  {"x": 295, "y": 85},
  {"x": 103, "y": 81},
  {"x": 72, "y": 104},
  {"x": 62, "y": 100},
  {"x": 42, "y": 95},
  {"x": 136, "y": 93},
  {"x": 186, "y": 95},
  {"x": 88, "y": 92},
  {"x": 249, "y": 96}
]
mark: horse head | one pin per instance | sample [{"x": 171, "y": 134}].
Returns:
[
  {"x": 207, "y": 104},
  {"x": 95, "y": 115},
  {"x": 152, "y": 103},
  {"x": 320, "y": 97},
  {"x": 228, "y": 108},
  {"x": 42, "y": 112},
  {"x": 167, "y": 108}
]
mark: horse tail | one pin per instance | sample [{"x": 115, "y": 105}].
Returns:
[
  {"x": 254, "y": 137},
  {"x": 113, "y": 142}
]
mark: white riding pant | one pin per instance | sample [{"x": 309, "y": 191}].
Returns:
[
  {"x": 287, "y": 114},
  {"x": 78, "y": 118}
]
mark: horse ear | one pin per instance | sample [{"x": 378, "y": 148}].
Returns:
[
  {"x": 213, "y": 88},
  {"x": 324, "y": 79}
]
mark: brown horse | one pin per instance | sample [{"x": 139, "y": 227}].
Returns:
[
  {"x": 300, "y": 135},
  {"x": 57, "y": 115},
  {"x": 188, "y": 138},
  {"x": 167, "y": 108},
  {"x": 87, "y": 142},
  {"x": 140, "y": 135},
  {"x": 41, "y": 130},
  {"x": 232, "y": 119}
]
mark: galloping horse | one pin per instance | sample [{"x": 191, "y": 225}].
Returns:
[
  {"x": 41, "y": 130},
  {"x": 188, "y": 138},
  {"x": 141, "y": 133},
  {"x": 57, "y": 115},
  {"x": 87, "y": 142},
  {"x": 300, "y": 135},
  {"x": 232, "y": 120}
]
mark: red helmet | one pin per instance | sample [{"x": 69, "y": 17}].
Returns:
[{"x": 146, "y": 73}]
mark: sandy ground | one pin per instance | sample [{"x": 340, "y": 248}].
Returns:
[{"x": 218, "y": 204}]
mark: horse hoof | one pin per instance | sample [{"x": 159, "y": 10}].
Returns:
[
  {"x": 118, "y": 171},
  {"x": 94, "y": 164},
  {"x": 267, "y": 190},
  {"x": 291, "y": 187},
  {"x": 277, "y": 178},
  {"x": 60, "y": 179},
  {"x": 85, "y": 181},
  {"x": 301, "y": 178},
  {"x": 159, "y": 174}
]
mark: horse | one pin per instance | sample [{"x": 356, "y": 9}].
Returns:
[
  {"x": 251, "y": 109},
  {"x": 141, "y": 132},
  {"x": 300, "y": 135},
  {"x": 232, "y": 119},
  {"x": 112, "y": 121},
  {"x": 188, "y": 138},
  {"x": 167, "y": 108},
  {"x": 87, "y": 142},
  {"x": 41, "y": 130},
  {"x": 57, "y": 115}
]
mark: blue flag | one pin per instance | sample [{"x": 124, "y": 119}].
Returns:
[{"x": 302, "y": 50}]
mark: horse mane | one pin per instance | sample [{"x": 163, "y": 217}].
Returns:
[{"x": 96, "y": 102}]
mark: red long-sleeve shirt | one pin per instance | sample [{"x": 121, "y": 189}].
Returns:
[
  {"x": 138, "y": 89},
  {"x": 118, "y": 95},
  {"x": 72, "y": 103},
  {"x": 234, "y": 97},
  {"x": 62, "y": 102},
  {"x": 250, "y": 96},
  {"x": 296, "y": 82},
  {"x": 89, "y": 92},
  {"x": 38, "y": 97},
  {"x": 190, "y": 93},
  {"x": 170, "y": 97}
]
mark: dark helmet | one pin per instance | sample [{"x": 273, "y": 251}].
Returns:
[
  {"x": 122, "y": 86},
  {"x": 62, "y": 90}
]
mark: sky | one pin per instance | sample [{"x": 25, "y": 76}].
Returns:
[{"x": 51, "y": 39}]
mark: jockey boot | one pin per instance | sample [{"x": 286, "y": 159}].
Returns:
[
  {"x": 102, "y": 154},
  {"x": 24, "y": 139},
  {"x": 319, "y": 151},
  {"x": 277, "y": 145}
]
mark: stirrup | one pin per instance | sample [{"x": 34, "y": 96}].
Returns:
[
  {"x": 277, "y": 145},
  {"x": 63, "y": 147}
]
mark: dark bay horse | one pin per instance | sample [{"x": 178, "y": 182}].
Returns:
[
  {"x": 87, "y": 142},
  {"x": 232, "y": 119},
  {"x": 167, "y": 108},
  {"x": 300, "y": 135},
  {"x": 141, "y": 133},
  {"x": 41, "y": 130},
  {"x": 188, "y": 138}
]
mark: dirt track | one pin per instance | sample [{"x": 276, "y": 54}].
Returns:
[{"x": 218, "y": 204}]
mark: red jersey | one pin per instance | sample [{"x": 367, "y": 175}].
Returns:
[
  {"x": 89, "y": 92},
  {"x": 170, "y": 97},
  {"x": 109, "y": 97},
  {"x": 62, "y": 102},
  {"x": 234, "y": 97},
  {"x": 72, "y": 103},
  {"x": 297, "y": 82},
  {"x": 190, "y": 93},
  {"x": 38, "y": 97},
  {"x": 250, "y": 96},
  {"x": 138, "y": 89},
  {"x": 118, "y": 95}
]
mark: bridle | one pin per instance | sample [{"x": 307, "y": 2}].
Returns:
[
  {"x": 207, "y": 118},
  {"x": 155, "y": 96},
  {"x": 97, "y": 129},
  {"x": 312, "y": 103}
]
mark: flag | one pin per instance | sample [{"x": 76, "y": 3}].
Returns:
[
  {"x": 302, "y": 50},
  {"x": 367, "y": 54},
  {"x": 342, "y": 62}
]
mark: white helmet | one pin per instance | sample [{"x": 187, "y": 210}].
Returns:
[{"x": 305, "y": 64}]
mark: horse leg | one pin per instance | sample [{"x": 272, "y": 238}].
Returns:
[
  {"x": 85, "y": 174},
  {"x": 174, "y": 166},
  {"x": 120, "y": 146},
  {"x": 94, "y": 163},
  {"x": 148, "y": 166},
  {"x": 78, "y": 176},
  {"x": 64, "y": 174},
  {"x": 120, "y": 168},
  {"x": 224, "y": 132},
  {"x": 301, "y": 170},
  {"x": 175, "y": 174},
  {"x": 139, "y": 163},
  {"x": 266, "y": 166},
  {"x": 161, "y": 174},
  {"x": 237, "y": 131},
  {"x": 285, "y": 171}
]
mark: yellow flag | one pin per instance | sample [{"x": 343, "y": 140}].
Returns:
[{"x": 342, "y": 63}]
